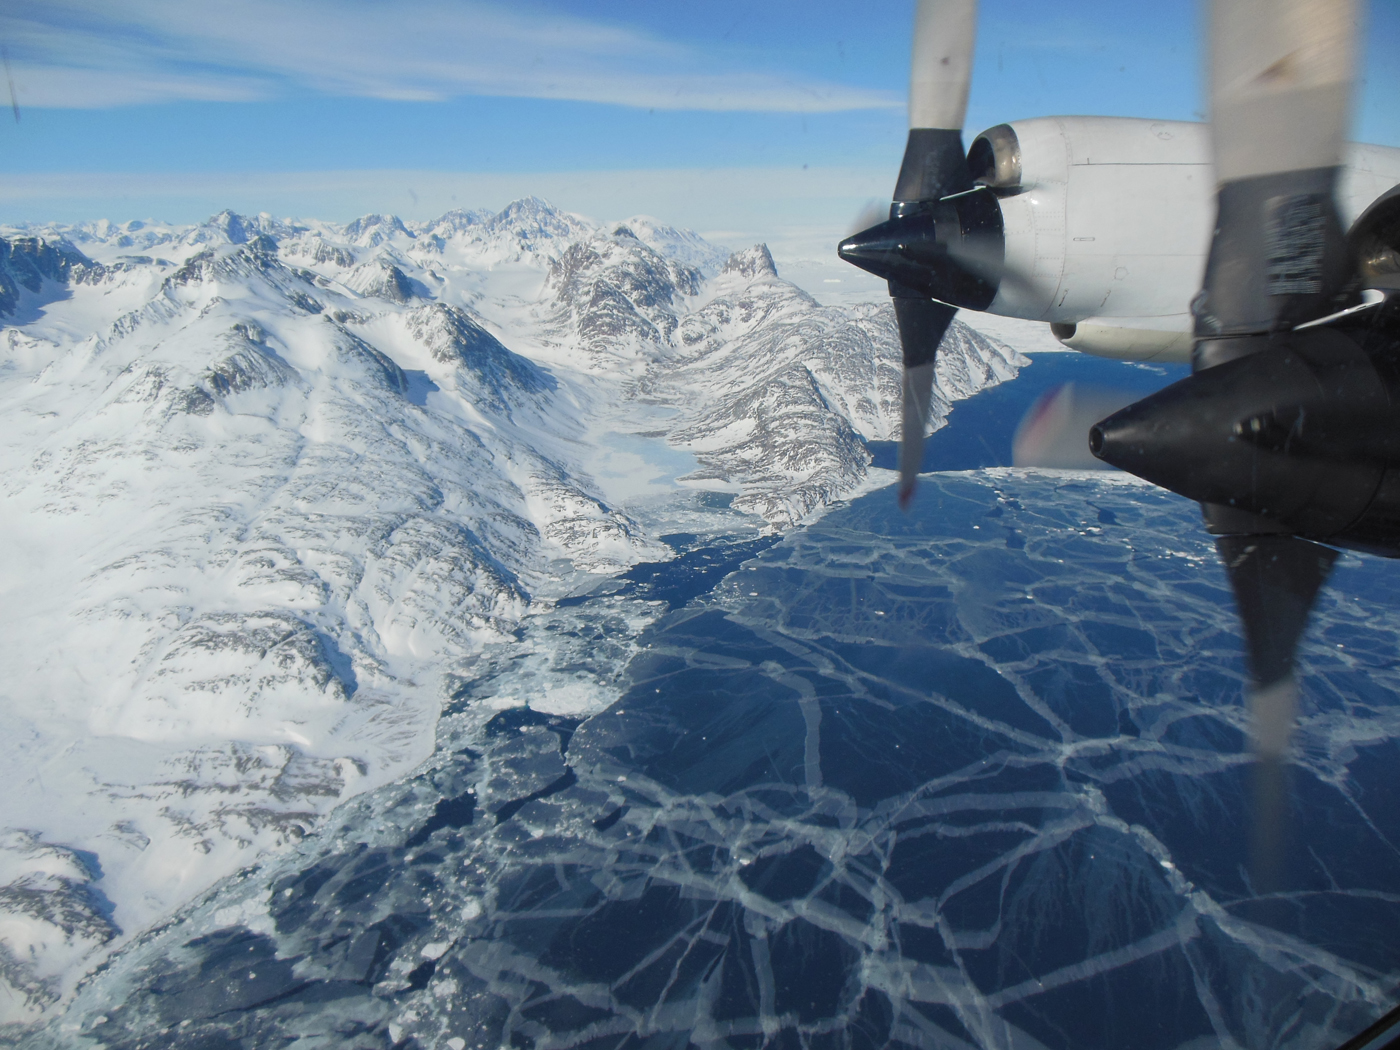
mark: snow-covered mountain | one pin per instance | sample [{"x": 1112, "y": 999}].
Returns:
[{"x": 272, "y": 488}]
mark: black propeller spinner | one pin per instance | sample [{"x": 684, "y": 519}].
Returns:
[
  {"x": 1288, "y": 430},
  {"x": 942, "y": 247}
]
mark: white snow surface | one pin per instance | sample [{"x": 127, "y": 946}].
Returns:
[{"x": 271, "y": 487}]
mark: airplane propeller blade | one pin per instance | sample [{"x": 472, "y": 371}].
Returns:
[
  {"x": 1276, "y": 580},
  {"x": 1281, "y": 75},
  {"x": 934, "y": 166},
  {"x": 922, "y": 323}
]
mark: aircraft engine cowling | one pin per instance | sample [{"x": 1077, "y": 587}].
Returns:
[
  {"x": 1104, "y": 217},
  {"x": 994, "y": 159},
  {"x": 1100, "y": 226},
  {"x": 1107, "y": 222},
  {"x": 1374, "y": 240}
]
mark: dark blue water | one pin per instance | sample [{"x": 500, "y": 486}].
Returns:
[
  {"x": 979, "y": 430},
  {"x": 695, "y": 570}
]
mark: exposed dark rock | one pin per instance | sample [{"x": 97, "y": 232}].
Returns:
[
  {"x": 26, "y": 262},
  {"x": 752, "y": 262}
]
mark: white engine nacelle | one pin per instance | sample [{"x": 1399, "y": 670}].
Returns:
[{"x": 1108, "y": 221}]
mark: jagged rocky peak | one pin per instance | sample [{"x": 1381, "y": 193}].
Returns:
[
  {"x": 232, "y": 228},
  {"x": 457, "y": 220},
  {"x": 318, "y": 249},
  {"x": 531, "y": 219},
  {"x": 619, "y": 295},
  {"x": 228, "y": 262},
  {"x": 236, "y": 359},
  {"x": 752, "y": 262},
  {"x": 26, "y": 262},
  {"x": 450, "y": 334},
  {"x": 643, "y": 275},
  {"x": 250, "y": 365},
  {"x": 382, "y": 279},
  {"x": 370, "y": 231},
  {"x": 680, "y": 245},
  {"x": 453, "y": 337},
  {"x": 251, "y": 331}
]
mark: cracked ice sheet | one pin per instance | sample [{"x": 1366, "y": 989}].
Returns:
[{"x": 973, "y": 776}]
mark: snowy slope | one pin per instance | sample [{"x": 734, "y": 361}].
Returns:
[
  {"x": 272, "y": 487},
  {"x": 777, "y": 391}
]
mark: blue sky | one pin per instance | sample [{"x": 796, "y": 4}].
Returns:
[{"x": 171, "y": 108}]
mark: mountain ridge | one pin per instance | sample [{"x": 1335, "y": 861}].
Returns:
[{"x": 277, "y": 485}]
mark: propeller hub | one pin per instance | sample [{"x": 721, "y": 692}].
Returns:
[
  {"x": 1303, "y": 433},
  {"x": 951, "y": 250},
  {"x": 1097, "y": 440}
]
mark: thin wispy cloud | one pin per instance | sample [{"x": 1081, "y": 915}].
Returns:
[{"x": 93, "y": 53}]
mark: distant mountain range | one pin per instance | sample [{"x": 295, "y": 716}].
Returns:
[{"x": 271, "y": 485}]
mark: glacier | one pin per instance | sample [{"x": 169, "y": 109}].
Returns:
[{"x": 280, "y": 493}]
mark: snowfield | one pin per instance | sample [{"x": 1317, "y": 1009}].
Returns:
[{"x": 272, "y": 487}]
